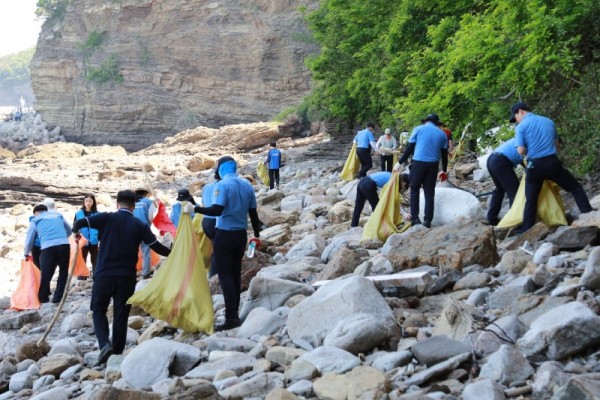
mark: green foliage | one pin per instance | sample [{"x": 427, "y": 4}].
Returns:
[
  {"x": 107, "y": 72},
  {"x": 92, "y": 43},
  {"x": 14, "y": 68},
  {"x": 394, "y": 61},
  {"x": 51, "y": 9}
]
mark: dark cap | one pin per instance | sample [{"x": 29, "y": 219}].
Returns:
[
  {"x": 273, "y": 144},
  {"x": 433, "y": 118},
  {"x": 220, "y": 162},
  {"x": 515, "y": 108},
  {"x": 183, "y": 195}
]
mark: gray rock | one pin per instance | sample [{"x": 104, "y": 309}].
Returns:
[
  {"x": 506, "y": 366},
  {"x": 33, "y": 370},
  {"x": 159, "y": 357},
  {"x": 316, "y": 316},
  {"x": 271, "y": 293},
  {"x": 342, "y": 263},
  {"x": 65, "y": 346},
  {"x": 478, "y": 297},
  {"x": 473, "y": 280},
  {"x": 393, "y": 360},
  {"x": 483, "y": 389},
  {"x": 330, "y": 359},
  {"x": 301, "y": 388},
  {"x": 574, "y": 238},
  {"x": 20, "y": 381},
  {"x": 283, "y": 355},
  {"x": 437, "y": 349},
  {"x": 548, "y": 376},
  {"x": 349, "y": 239},
  {"x": 358, "y": 333},
  {"x": 228, "y": 344},
  {"x": 19, "y": 319},
  {"x": 504, "y": 330},
  {"x": 43, "y": 381},
  {"x": 7, "y": 368},
  {"x": 292, "y": 269},
  {"x": 8, "y": 345},
  {"x": 560, "y": 332},
  {"x": 57, "y": 393},
  {"x": 261, "y": 321},
  {"x": 311, "y": 245},
  {"x": 541, "y": 275},
  {"x": 300, "y": 370},
  {"x": 505, "y": 296},
  {"x": 70, "y": 372},
  {"x": 438, "y": 369},
  {"x": 258, "y": 386},
  {"x": 543, "y": 253},
  {"x": 591, "y": 275},
  {"x": 73, "y": 322},
  {"x": 24, "y": 365},
  {"x": 112, "y": 372},
  {"x": 582, "y": 387},
  {"x": 240, "y": 364}
]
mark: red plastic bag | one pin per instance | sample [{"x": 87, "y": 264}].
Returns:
[
  {"x": 162, "y": 222},
  {"x": 26, "y": 295},
  {"x": 81, "y": 268}
]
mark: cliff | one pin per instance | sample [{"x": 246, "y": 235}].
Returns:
[{"x": 131, "y": 72}]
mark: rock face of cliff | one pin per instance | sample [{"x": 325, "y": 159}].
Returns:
[{"x": 131, "y": 72}]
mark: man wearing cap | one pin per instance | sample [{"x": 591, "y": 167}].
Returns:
[
  {"x": 364, "y": 142},
  {"x": 120, "y": 234},
  {"x": 144, "y": 211},
  {"x": 233, "y": 200},
  {"x": 273, "y": 161},
  {"x": 501, "y": 166},
  {"x": 536, "y": 138},
  {"x": 53, "y": 232},
  {"x": 427, "y": 144},
  {"x": 388, "y": 143},
  {"x": 182, "y": 195},
  {"x": 367, "y": 191}
]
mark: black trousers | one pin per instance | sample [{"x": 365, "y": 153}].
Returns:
[
  {"x": 366, "y": 161},
  {"x": 366, "y": 190},
  {"x": 119, "y": 289},
  {"x": 550, "y": 167},
  {"x": 503, "y": 174},
  {"x": 209, "y": 228},
  {"x": 50, "y": 258},
  {"x": 387, "y": 162},
  {"x": 422, "y": 174},
  {"x": 92, "y": 250},
  {"x": 273, "y": 178},
  {"x": 228, "y": 251},
  {"x": 36, "y": 251}
]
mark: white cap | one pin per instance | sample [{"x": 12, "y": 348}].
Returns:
[
  {"x": 387, "y": 130},
  {"x": 48, "y": 202}
]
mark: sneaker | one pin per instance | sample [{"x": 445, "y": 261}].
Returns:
[
  {"x": 105, "y": 354},
  {"x": 229, "y": 324}
]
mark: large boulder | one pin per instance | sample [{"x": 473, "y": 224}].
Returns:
[
  {"x": 561, "y": 332},
  {"x": 450, "y": 205},
  {"x": 270, "y": 293},
  {"x": 591, "y": 275},
  {"x": 311, "y": 245},
  {"x": 449, "y": 247},
  {"x": 318, "y": 315}
]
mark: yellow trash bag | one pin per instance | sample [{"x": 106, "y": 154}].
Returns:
[
  {"x": 179, "y": 293},
  {"x": 204, "y": 243},
  {"x": 550, "y": 207},
  {"x": 352, "y": 165},
  {"x": 263, "y": 173},
  {"x": 386, "y": 218}
]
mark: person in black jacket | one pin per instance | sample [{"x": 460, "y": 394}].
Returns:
[{"x": 121, "y": 235}]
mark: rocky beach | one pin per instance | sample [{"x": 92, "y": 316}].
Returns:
[{"x": 459, "y": 311}]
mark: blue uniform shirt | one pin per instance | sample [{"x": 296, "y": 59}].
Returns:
[
  {"x": 51, "y": 228},
  {"x": 537, "y": 134},
  {"x": 380, "y": 178},
  {"x": 509, "y": 150},
  {"x": 37, "y": 242},
  {"x": 90, "y": 234},
  {"x": 274, "y": 159},
  {"x": 207, "y": 197},
  {"x": 429, "y": 141},
  {"x": 142, "y": 208},
  {"x": 236, "y": 195},
  {"x": 364, "y": 138}
]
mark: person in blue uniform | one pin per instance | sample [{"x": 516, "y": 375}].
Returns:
[
  {"x": 273, "y": 162},
  {"x": 144, "y": 211},
  {"x": 120, "y": 234},
  {"x": 233, "y": 200},
  {"x": 53, "y": 232},
  {"x": 427, "y": 145},
  {"x": 501, "y": 165},
  {"x": 182, "y": 195},
  {"x": 89, "y": 208},
  {"x": 367, "y": 191},
  {"x": 536, "y": 138},
  {"x": 36, "y": 249},
  {"x": 365, "y": 141}
]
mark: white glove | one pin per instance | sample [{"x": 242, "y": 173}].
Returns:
[
  {"x": 188, "y": 208},
  {"x": 396, "y": 167}
]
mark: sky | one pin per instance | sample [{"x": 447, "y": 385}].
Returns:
[{"x": 19, "y": 28}]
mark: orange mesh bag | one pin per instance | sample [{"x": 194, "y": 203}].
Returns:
[
  {"x": 80, "y": 268},
  {"x": 154, "y": 259},
  {"x": 26, "y": 295}
]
